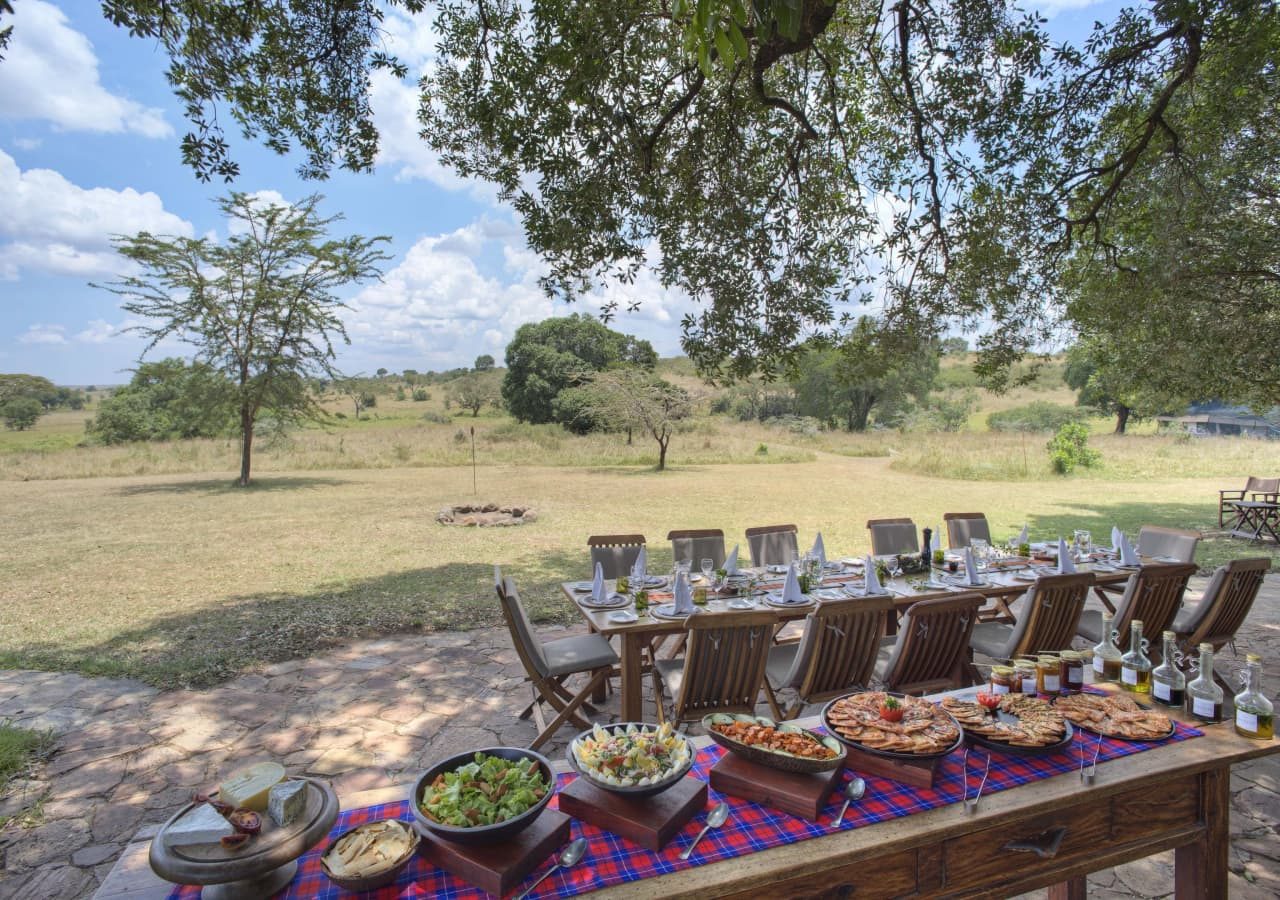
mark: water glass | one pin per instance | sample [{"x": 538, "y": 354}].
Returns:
[
  {"x": 708, "y": 566},
  {"x": 1084, "y": 540}
]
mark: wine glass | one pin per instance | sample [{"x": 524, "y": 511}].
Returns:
[
  {"x": 1084, "y": 540},
  {"x": 708, "y": 566}
]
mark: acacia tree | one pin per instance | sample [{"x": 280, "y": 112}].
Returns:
[
  {"x": 474, "y": 391},
  {"x": 634, "y": 398},
  {"x": 259, "y": 308}
]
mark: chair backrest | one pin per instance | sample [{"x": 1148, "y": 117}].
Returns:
[
  {"x": 837, "y": 651},
  {"x": 773, "y": 545},
  {"x": 932, "y": 649},
  {"x": 1153, "y": 595},
  {"x": 1178, "y": 543},
  {"x": 527, "y": 646},
  {"x": 892, "y": 536},
  {"x": 1051, "y": 615},
  {"x": 616, "y": 553},
  {"x": 1226, "y": 602},
  {"x": 1257, "y": 485},
  {"x": 724, "y": 663},
  {"x": 962, "y": 528},
  {"x": 698, "y": 544}
]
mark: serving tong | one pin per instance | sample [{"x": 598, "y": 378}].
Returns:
[
  {"x": 1089, "y": 772},
  {"x": 971, "y": 804}
]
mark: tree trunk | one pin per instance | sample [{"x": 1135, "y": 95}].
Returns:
[
  {"x": 628, "y": 437},
  {"x": 475, "y": 412},
  {"x": 1122, "y": 417},
  {"x": 246, "y": 443},
  {"x": 662, "y": 452}
]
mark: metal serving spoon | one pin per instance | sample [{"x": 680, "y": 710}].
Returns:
[
  {"x": 719, "y": 815},
  {"x": 568, "y": 856},
  {"x": 852, "y": 791}
]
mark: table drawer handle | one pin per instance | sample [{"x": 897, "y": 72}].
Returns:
[{"x": 1044, "y": 845}]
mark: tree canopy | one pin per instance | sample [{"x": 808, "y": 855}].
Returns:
[
  {"x": 259, "y": 308},
  {"x": 777, "y": 160},
  {"x": 165, "y": 400}
]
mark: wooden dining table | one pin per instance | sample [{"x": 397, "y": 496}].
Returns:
[{"x": 1001, "y": 587}]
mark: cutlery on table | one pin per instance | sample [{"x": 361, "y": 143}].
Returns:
[
  {"x": 569, "y": 856},
  {"x": 852, "y": 791},
  {"x": 719, "y": 815}
]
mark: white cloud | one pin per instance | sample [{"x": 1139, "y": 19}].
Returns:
[
  {"x": 43, "y": 334},
  {"x": 50, "y": 72},
  {"x": 27, "y": 143},
  {"x": 99, "y": 332},
  {"x": 53, "y": 225}
]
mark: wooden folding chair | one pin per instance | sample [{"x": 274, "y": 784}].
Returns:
[
  {"x": 616, "y": 553},
  {"x": 547, "y": 665},
  {"x": 1254, "y": 488},
  {"x": 1225, "y": 605},
  {"x": 773, "y": 545},
  {"x": 962, "y": 528},
  {"x": 889, "y": 537},
  {"x": 698, "y": 544},
  {"x": 1153, "y": 541},
  {"x": 835, "y": 654},
  {"x": 1047, "y": 623},
  {"x": 1153, "y": 595},
  {"x": 723, "y": 670},
  {"x": 931, "y": 652}
]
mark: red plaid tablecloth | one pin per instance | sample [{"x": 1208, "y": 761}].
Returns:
[{"x": 751, "y": 827}]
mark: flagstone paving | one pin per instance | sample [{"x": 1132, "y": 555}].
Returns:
[{"x": 372, "y": 715}]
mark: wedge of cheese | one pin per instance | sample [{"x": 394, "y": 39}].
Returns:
[
  {"x": 250, "y": 787},
  {"x": 203, "y": 825},
  {"x": 286, "y": 801}
]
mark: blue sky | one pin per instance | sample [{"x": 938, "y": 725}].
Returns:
[{"x": 89, "y": 148}]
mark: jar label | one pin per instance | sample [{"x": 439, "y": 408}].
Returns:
[
  {"x": 1051, "y": 685},
  {"x": 1128, "y": 675},
  {"x": 1162, "y": 691},
  {"x": 1076, "y": 673},
  {"x": 1097, "y": 664},
  {"x": 1202, "y": 707},
  {"x": 1028, "y": 685},
  {"x": 999, "y": 688},
  {"x": 1246, "y": 721}
]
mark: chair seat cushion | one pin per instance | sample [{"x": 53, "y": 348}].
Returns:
[
  {"x": 991, "y": 639},
  {"x": 882, "y": 657},
  {"x": 1090, "y": 627},
  {"x": 580, "y": 653},
  {"x": 671, "y": 671},
  {"x": 1182, "y": 624},
  {"x": 781, "y": 658}
]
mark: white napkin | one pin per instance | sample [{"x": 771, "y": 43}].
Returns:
[
  {"x": 1116, "y": 535},
  {"x": 731, "y": 562},
  {"x": 683, "y": 596},
  {"x": 971, "y": 567},
  {"x": 1127, "y": 555},
  {"x": 791, "y": 587},
  {"x": 873, "y": 581},
  {"x": 819, "y": 550},
  {"x": 640, "y": 567},
  {"x": 938, "y": 535},
  {"x": 1065, "y": 564},
  {"x": 1024, "y": 536},
  {"x": 597, "y": 585}
]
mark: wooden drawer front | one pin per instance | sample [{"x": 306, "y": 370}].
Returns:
[
  {"x": 985, "y": 858},
  {"x": 1146, "y": 813},
  {"x": 880, "y": 876}
]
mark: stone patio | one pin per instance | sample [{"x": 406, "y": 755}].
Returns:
[{"x": 373, "y": 715}]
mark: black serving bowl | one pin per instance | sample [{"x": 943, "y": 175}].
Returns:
[{"x": 481, "y": 834}]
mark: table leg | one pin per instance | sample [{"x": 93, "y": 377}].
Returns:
[
  {"x": 1075, "y": 889},
  {"x": 1200, "y": 869},
  {"x": 632, "y": 698}
]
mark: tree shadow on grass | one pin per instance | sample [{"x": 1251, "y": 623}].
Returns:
[{"x": 229, "y": 486}]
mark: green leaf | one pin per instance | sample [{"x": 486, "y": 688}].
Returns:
[
  {"x": 724, "y": 48},
  {"x": 739, "y": 40}
]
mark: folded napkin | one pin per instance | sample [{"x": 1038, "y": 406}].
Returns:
[
  {"x": 1128, "y": 556},
  {"x": 938, "y": 534},
  {"x": 1116, "y": 535},
  {"x": 873, "y": 580},
  {"x": 971, "y": 567},
  {"x": 1023, "y": 537},
  {"x": 597, "y": 585},
  {"x": 1065, "y": 564},
  {"x": 819, "y": 550},
  {"x": 731, "y": 562},
  {"x": 683, "y": 596},
  {"x": 791, "y": 587},
  {"x": 640, "y": 567}
]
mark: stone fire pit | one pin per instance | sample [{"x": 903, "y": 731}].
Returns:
[{"x": 485, "y": 515}]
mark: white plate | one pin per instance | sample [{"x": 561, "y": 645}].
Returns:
[
  {"x": 613, "y": 601},
  {"x": 776, "y": 570},
  {"x": 853, "y": 563},
  {"x": 580, "y": 587},
  {"x": 650, "y": 581},
  {"x": 831, "y": 594},
  {"x": 622, "y": 616},
  {"x": 668, "y": 611},
  {"x": 1166, "y": 559},
  {"x": 775, "y": 600},
  {"x": 1025, "y": 576},
  {"x": 740, "y": 603}
]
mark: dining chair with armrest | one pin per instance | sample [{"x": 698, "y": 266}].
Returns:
[
  {"x": 1224, "y": 606},
  {"x": 698, "y": 544},
  {"x": 962, "y": 528},
  {"x": 773, "y": 545},
  {"x": 722, "y": 669},
  {"x": 616, "y": 553},
  {"x": 931, "y": 651},
  {"x": 1047, "y": 622},
  {"x": 1153, "y": 596},
  {"x": 1173, "y": 544},
  {"x": 1267, "y": 489},
  {"x": 548, "y": 664},
  {"x": 890, "y": 537},
  {"x": 836, "y": 652}
]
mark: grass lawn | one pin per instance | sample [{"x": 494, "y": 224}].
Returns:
[
  {"x": 20, "y": 749},
  {"x": 184, "y": 580}
]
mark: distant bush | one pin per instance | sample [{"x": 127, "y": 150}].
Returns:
[
  {"x": 1070, "y": 448},
  {"x": 459, "y": 436},
  {"x": 421, "y": 394},
  {"x": 436, "y": 418},
  {"x": 20, "y": 413},
  {"x": 1037, "y": 416},
  {"x": 805, "y": 425},
  {"x": 400, "y": 394}
]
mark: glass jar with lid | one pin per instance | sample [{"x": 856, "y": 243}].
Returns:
[
  {"x": 1002, "y": 680},
  {"x": 1071, "y": 671},
  {"x": 1047, "y": 668},
  {"x": 1025, "y": 671},
  {"x": 1255, "y": 713}
]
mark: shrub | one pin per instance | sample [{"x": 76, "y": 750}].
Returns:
[
  {"x": 1038, "y": 416},
  {"x": 421, "y": 394},
  {"x": 436, "y": 418},
  {"x": 459, "y": 436},
  {"x": 805, "y": 425},
  {"x": 762, "y": 450},
  {"x": 400, "y": 394},
  {"x": 1070, "y": 448},
  {"x": 21, "y": 413}
]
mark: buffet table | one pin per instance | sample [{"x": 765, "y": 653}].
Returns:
[{"x": 1048, "y": 832}]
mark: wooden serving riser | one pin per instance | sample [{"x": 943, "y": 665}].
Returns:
[
  {"x": 648, "y": 821},
  {"x": 916, "y": 773},
  {"x": 798, "y": 794},
  {"x": 497, "y": 868}
]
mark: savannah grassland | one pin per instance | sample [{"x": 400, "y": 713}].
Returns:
[{"x": 144, "y": 561}]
